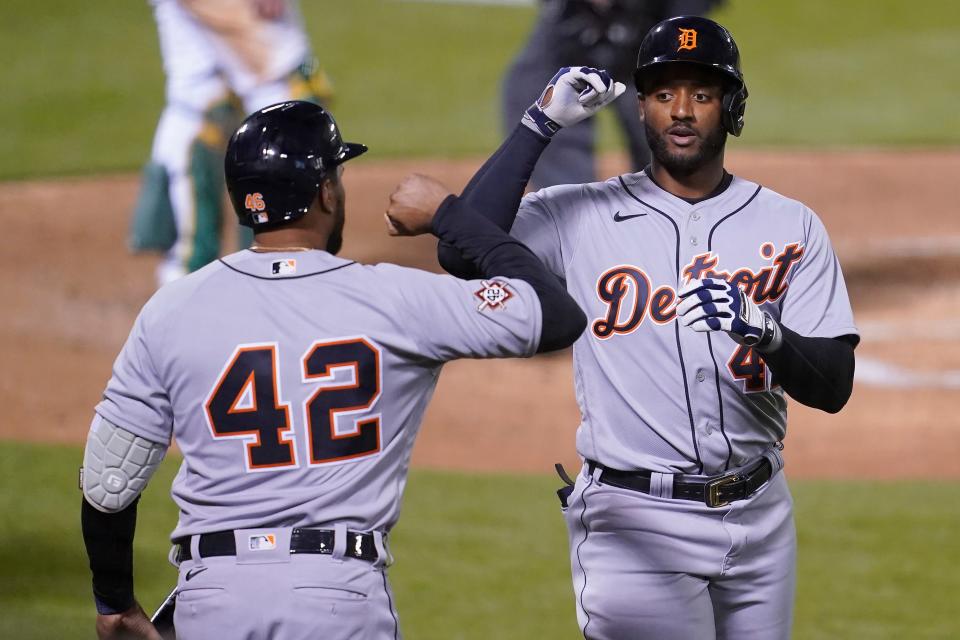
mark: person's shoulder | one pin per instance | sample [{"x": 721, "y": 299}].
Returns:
[
  {"x": 636, "y": 185},
  {"x": 388, "y": 271},
  {"x": 774, "y": 203},
  {"x": 170, "y": 298},
  {"x": 558, "y": 196},
  {"x": 767, "y": 196}
]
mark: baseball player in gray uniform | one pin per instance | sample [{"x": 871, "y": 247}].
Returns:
[
  {"x": 710, "y": 299},
  {"x": 294, "y": 382}
]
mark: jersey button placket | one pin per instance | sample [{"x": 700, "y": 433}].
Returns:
[{"x": 695, "y": 216}]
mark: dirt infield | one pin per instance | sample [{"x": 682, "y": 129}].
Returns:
[{"x": 70, "y": 292}]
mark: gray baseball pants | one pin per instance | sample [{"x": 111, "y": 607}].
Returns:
[
  {"x": 648, "y": 567},
  {"x": 276, "y": 594}
]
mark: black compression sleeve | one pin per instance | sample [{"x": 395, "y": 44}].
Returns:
[
  {"x": 496, "y": 189},
  {"x": 817, "y": 372},
  {"x": 109, "y": 541},
  {"x": 497, "y": 254}
]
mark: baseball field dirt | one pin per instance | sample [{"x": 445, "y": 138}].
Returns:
[{"x": 72, "y": 291}]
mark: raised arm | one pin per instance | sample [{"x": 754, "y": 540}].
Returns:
[{"x": 495, "y": 191}]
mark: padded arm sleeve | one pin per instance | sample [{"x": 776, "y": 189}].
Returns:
[{"x": 117, "y": 465}]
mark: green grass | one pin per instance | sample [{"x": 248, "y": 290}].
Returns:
[
  {"x": 851, "y": 72},
  {"x": 84, "y": 85},
  {"x": 410, "y": 79},
  {"x": 485, "y": 556}
]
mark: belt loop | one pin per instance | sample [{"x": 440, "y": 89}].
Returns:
[
  {"x": 775, "y": 458},
  {"x": 195, "y": 550},
  {"x": 661, "y": 484},
  {"x": 595, "y": 473},
  {"x": 339, "y": 541},
  {"x": 384, "y": 559},
  {"x": 174, "y": 556}
]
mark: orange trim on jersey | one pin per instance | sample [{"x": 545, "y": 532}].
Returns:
[
  {"x": 360, "y": 425},
  {"x": 636, "y": 316},
  {"x": 704, "y": 264},
  {"x": 255, "y": 433},
  {"x": 332, "y": 413},
  {"x": 748, "y": 357},
  {"x": 663, "y": 308},
  {"x": 252, "y": 384}
]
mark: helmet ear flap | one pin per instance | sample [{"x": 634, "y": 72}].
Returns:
[{"x": 734, "y": 106}]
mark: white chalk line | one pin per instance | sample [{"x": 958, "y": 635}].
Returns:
[
  {"x": 897, "y": 331},
  {"x": 910, "y": 247},
  {"x": 879, "y": 373},
  {"x": 876, "y": 373}
]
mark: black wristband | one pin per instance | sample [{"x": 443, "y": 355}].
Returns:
[
  {"x": 770, "y": 338},
  {"x": 109, "y": 541}
]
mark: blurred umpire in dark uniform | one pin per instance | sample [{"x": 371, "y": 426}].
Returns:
[{"x": 599, "y": 33}]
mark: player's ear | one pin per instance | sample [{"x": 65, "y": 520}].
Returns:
[{"x": 328, "y": 194}]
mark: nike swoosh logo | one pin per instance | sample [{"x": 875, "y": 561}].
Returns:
[
  {"x": 194, "y": 572},
  {"x": 618, "y": 217}
]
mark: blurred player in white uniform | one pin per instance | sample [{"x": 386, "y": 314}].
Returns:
[{"x": 222, "y": 59}]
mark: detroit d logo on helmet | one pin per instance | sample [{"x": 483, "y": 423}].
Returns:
[{"x": 687, "y": 39}]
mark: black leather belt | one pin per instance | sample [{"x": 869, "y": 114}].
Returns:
[
  {"x": 223, "y": 543},
  {"x": 717, "y": 491}
]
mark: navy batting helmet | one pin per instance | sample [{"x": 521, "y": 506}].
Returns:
[
  {"x": 696, "y": 40},
  {"x": 277, "y": 158}
]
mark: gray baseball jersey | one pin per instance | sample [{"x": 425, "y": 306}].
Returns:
[
  {"x": 652, "y": 394},
  {"x": 295, "y": 383}
]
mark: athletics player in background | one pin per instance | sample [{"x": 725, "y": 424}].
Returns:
[
  {"x": 294, "y": 382},
  {"x": 710, "y": 300},
  {"x": 222, "y": 59},
  {"x": 601, "y": 33}
]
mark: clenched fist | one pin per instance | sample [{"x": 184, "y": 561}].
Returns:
[
  {"x": 413, "y": 204},
  {"x": 573, "y": 94}
]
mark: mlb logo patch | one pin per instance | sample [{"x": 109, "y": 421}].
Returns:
[
  {"x": 284, "y": 267},
  {"x": 263, "y": 542},
  {"x": 493, "y": 295}
]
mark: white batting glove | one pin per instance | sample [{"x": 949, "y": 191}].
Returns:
[
  {"x": 712, "y": 304},
  {"x": 572, "y": 95}
]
